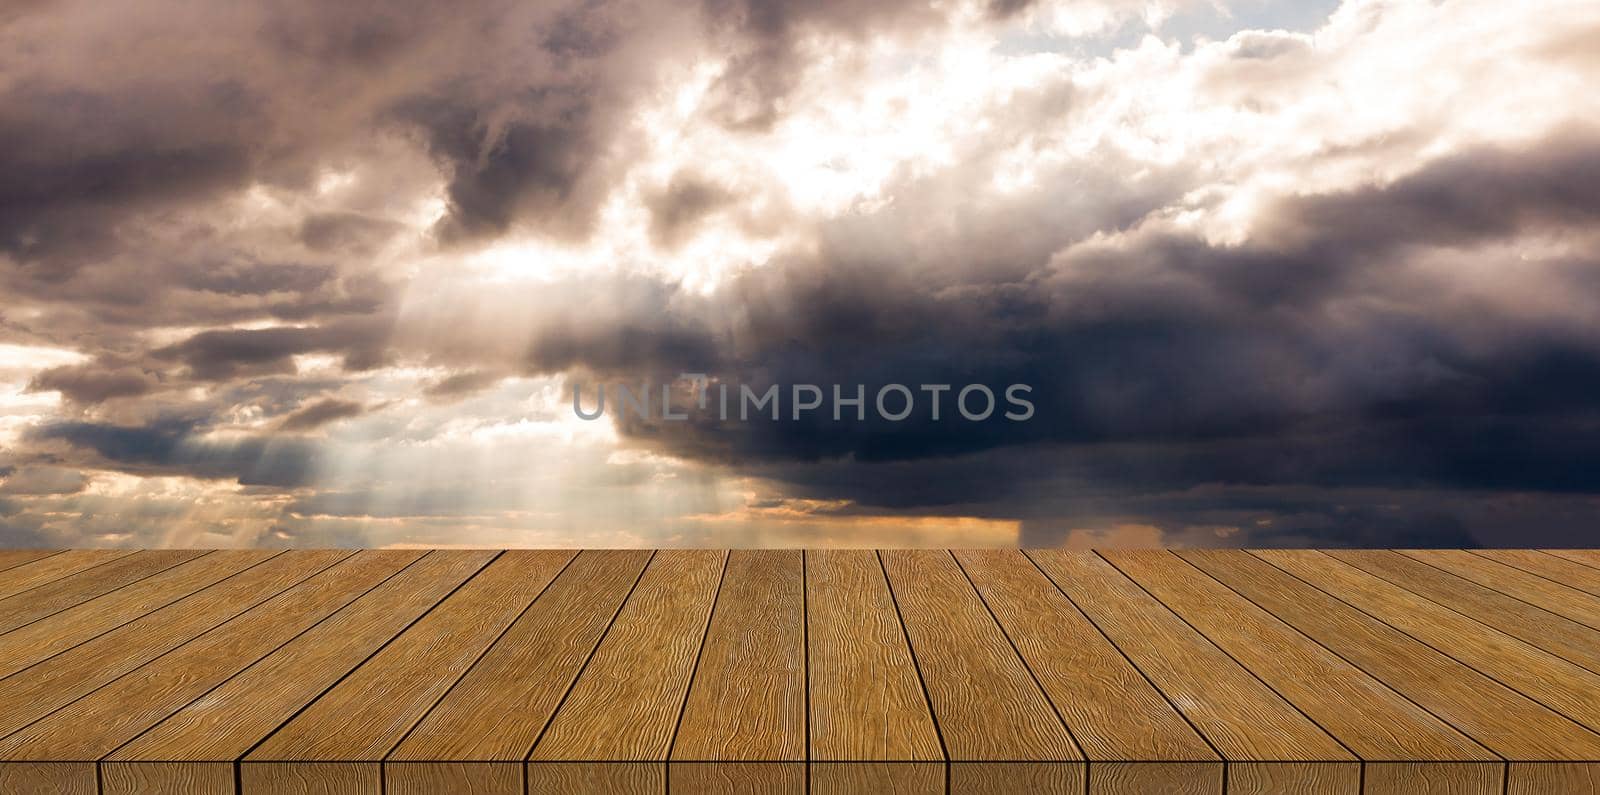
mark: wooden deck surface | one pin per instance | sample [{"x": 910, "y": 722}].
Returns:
[{"x": 399, "y": 672}]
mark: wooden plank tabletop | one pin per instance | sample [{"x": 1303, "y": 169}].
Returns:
[{"x": 840, "y": 671}]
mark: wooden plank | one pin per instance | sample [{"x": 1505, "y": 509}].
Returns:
[
  {"x": 53, "y": 683},
  {"x": 1562, "y": 570},
  {"x": 1506, "y": 722},
  {"x": 363, "y": 717},
  {"x": 227, "y": 722},
  {"x": 32, "y": 574},
  {"x": 1544, "y": 677},
  {"x": 625, "y": 705},
  {"x": 868, "y": 711},
  {"x": 56, "y": 778},
  {"x": 432, "y": 778},
  {"x": 1269, "y": 744},
  {"x": 12, "y": 558},
  {"x": 1588, "y": 557},
  {"x": 999, "y": 729},
  {"x": 28, "y": 645},
  {"x": 871, "y": 778},
  {"x": 1391, "y": 734},
  {"x": 53, "y": 597},
  {"x": 747, "y": 700},
  {"x": 1563, "y": 600},
  {"x": 1131, "y": 735},
  {"x": 98, "y": 723},
  {"x": 496, "y": 711},
  {"x": 1528, "y": 623}
]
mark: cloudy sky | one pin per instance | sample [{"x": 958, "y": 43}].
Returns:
[{"x": 1279, "y": 273}]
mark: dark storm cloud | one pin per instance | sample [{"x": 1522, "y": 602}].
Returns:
[
  {"x": 174, "y": 446},
  {"x": 103, "y": 379},
  {"x": 220, "y": 355},
  {"x": 322, "y": 412},
  {"x": 680, "y": 205},
  {"x": 1316, "y": 353},
  {"x": 460, "y": 385}
]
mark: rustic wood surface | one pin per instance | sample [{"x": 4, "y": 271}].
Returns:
[{"x": 841, "y": 671}]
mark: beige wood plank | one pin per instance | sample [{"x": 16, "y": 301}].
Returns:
[
  {"x": 1114, "y": 713},
  {"x": 433, "y": 778},
  {"x": 866, "y": 697},
  {"x": 1567, "y": 572},
  {"x": 86, "y": 584},
  {"x": 311, "y": 778},
  {"x": 188, "y": 778},
  {"x": 98, "y": 723},
  {"x": 1563, "y": 600},
  {"x": 1245, "y": 720},
  {"x": 747, "y": 700},
  {"x": 625, "y": 705},
  {"x": 496, "y": 711},
  {"x": 35, "y": 573},
  {"x": 363, "y": 717},
  {"x": 1503, "y": 720},
  {"x": 55, "y": 682},
  {"x": 1375, "y": 722},
  {"x": 985, "y": 702},
  {"x": 227, "y": 722},
  {"x": 1588, "y": 557},
  {"x": 873, "y": 778},
  {"x": 12, "y": 558},
  {"x": 1550, "y": 680},
  {"x": 23, "y": 647},
  {"x": 597, "y": 778},
  {"x": 1528, "y": 623},
  {"x": 736, "y": 778},
  {"x": 55, "y": 778}
]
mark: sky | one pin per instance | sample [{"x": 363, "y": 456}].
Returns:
[{"x": 1275, "y": 273}]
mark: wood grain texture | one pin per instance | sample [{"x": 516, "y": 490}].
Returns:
[
  {"x": 408, "y": 672},
  {"x": 98, "y": 723},
  {"x": 188, "y": 778},
  {"x": 228, "y": 721},
  {"x": 1503, "y": 720},
  {"x": 626, "y": 704},
  {"x": 1009, "y": 778},
  {"x": 1170, "y": 778},
  {"x": 311, "y": 778},
  {"x": 1543, "y": 778},
  {"x": 498, "y": 709},
  {"x": 737, "y": 778},
  {"x": 370, "y": 711},
  {"x": 872, "y": 778},
  {"x": 12, "y": 558},
  {"x": 1531, "y": 624},
  {"x": 86, "y": 584},
  {"x": 866, "y": 697},
  {"x": 23, "y": 647},
  {"x": 1244, "y": 719},
  {"x": 1369, "y": 718},
  {"x": 986, "y": 703},
  {"x": 1567, "y": 688},
  {"x": 1114, "y": 712},
  {"x": 1587, "y": 557},
  {"x": 53, "y": 683},
  {"x": 52, "y": 778},
  {"x": 1563, "y": 600},
  {"x": 747, "y": 700},
  {"x": 32, "y": 573},
  {"x": 1567, "y": 572},
  {"x": 433, "y": 778},
  {"x": 597, "y": 778}
]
